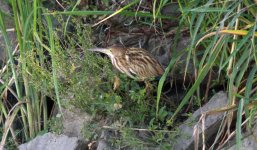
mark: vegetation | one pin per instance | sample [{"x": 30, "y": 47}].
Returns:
[{"x": 51, "y": 64}]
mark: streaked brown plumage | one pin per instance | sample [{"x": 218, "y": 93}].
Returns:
[{"x": 137, "y": 63}]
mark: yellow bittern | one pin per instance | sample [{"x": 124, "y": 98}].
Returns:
[{"x": 136, "y": 63}]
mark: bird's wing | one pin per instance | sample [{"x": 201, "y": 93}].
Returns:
[
  {"x": 121, "y": 64},
  {"x": 142, "y": 64}
]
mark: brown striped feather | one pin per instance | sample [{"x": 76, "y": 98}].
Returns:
[{"x": 135, "y": 62}]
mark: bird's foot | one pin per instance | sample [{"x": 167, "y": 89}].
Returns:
[
  {"x": 148, "y": 88},
  {"x": 116, "y": 83}
]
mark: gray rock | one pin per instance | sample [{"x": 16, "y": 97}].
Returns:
[
  {"x": 73, "y": 122},
  {"x": 185, "y": 140},
  {"x": 171, "y": 9},
  {"x": 103, "y": 143},
  {"x": 51, "y": 141},
  {"x": 248, "y": 143},
  {"x": 248, "y": 140}
]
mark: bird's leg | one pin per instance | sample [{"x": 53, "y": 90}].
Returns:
[
  {"x": 148, "y": 87},
  {"x": 116, "y": 83}
]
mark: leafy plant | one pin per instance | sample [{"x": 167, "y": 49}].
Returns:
[{"x": 52, "y": 61}]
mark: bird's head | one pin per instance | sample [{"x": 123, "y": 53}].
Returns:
[{"x": 110, "y": 51}]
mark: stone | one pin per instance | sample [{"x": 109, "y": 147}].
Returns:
[
  {"x": 73, "y": 121},
  {"x": 103, "y": 141},
  {"x": 50, "y": 141},
  {"x": 248, "y": 140},
  {"x": 191, "y": 127}
]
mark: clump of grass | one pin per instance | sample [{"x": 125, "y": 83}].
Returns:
[
  {"x": 54, "y": 62},
  {"x": 86, "y": 82}
]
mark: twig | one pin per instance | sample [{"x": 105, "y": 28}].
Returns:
[
  {"x": 138, "y": 129},
  {"x": 208, "y": 86},
  {"x": 60, "y": 4},
  {"x": 9, "y": 30},
  {"x": 231, "y": 135}
]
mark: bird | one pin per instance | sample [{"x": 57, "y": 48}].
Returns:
[{"x": 136, "y": 63}]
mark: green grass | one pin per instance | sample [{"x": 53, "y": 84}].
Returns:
[{"x": 53, "y": 62}]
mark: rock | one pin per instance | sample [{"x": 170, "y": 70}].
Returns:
[
  {"x": 73, "y": 122},
  {"x": 171, "y": 9},
  {"x": 185, "y": 140},
  {"x": 103, "y": 143},
  {"x": 50, "y": 141},
  {"x": 248, "y": 140}
]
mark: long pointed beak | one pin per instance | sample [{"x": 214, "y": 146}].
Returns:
[{"x": 101, "y": 50}]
